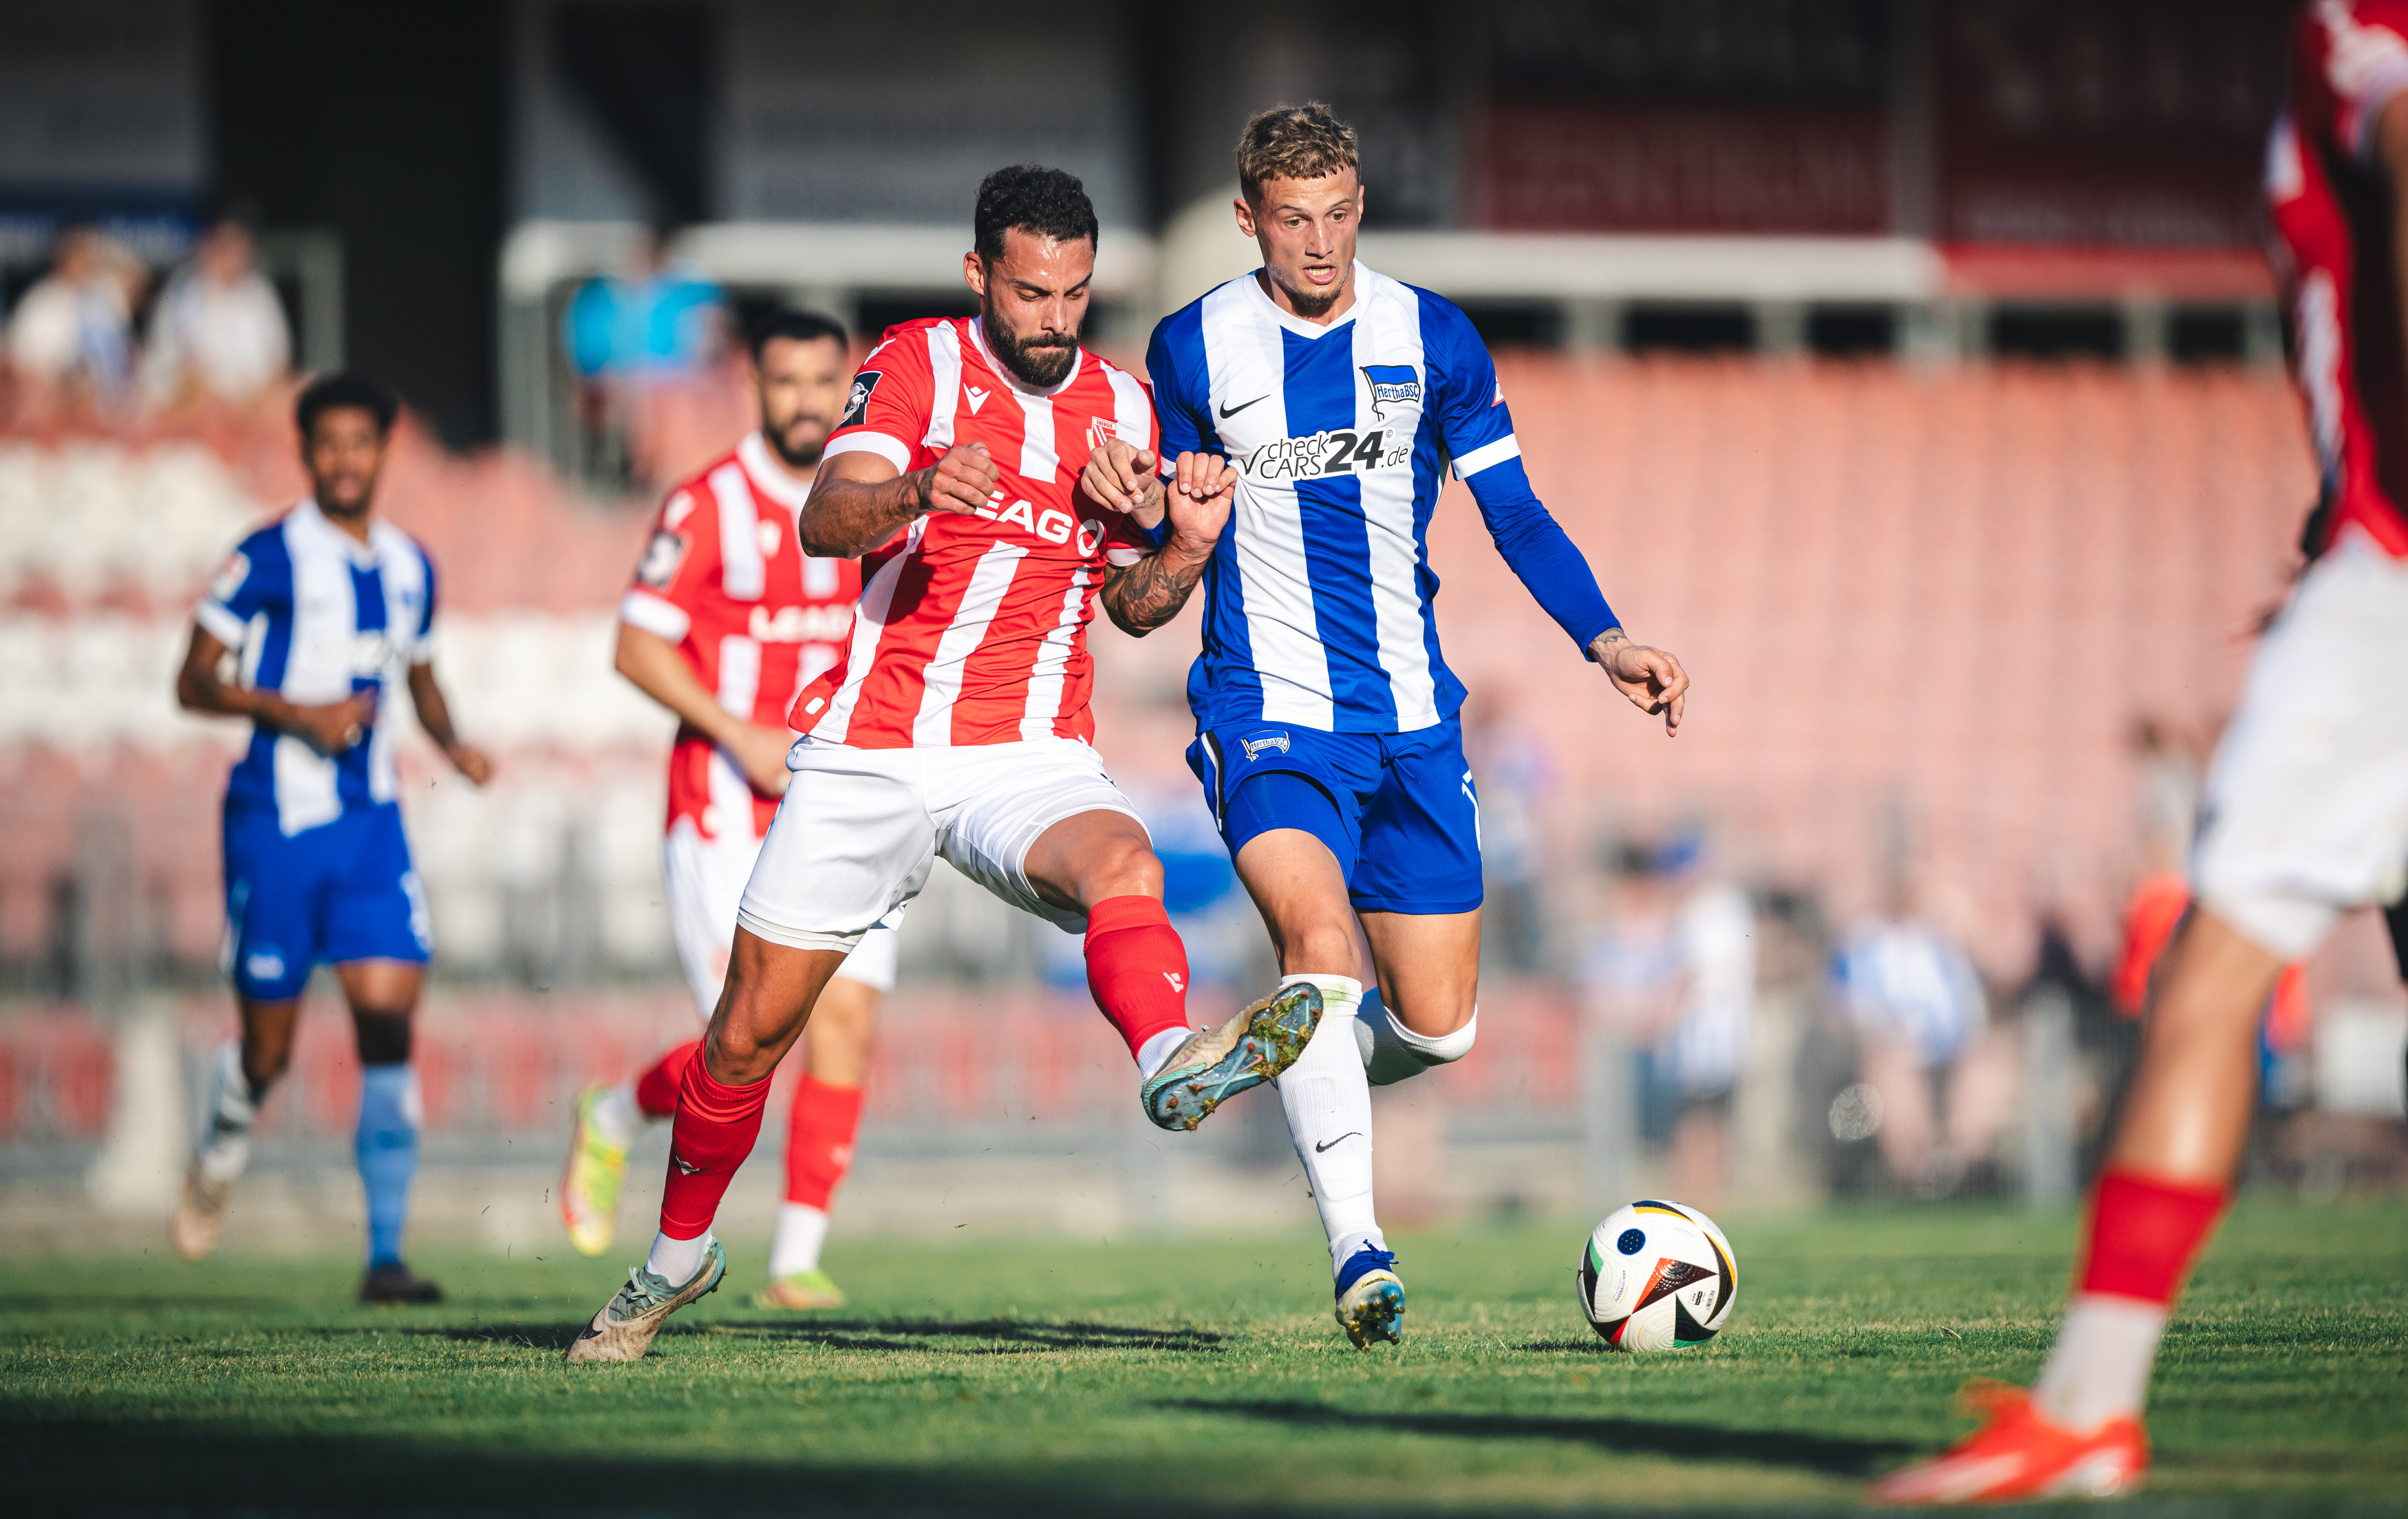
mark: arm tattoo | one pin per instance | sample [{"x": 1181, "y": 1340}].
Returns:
[
  {"x": 1602, "y": 645},
  {"x": 1143, "y": 596}
]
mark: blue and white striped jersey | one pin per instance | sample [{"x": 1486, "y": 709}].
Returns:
[
  {"x": 316, "y": 615},
  {"x": 1321, "y": 592}
]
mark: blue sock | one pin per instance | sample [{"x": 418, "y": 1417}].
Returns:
[{"x": 386, "y": 1147}]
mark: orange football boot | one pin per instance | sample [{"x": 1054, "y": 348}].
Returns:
[{"x": 2019, "y": 1455}]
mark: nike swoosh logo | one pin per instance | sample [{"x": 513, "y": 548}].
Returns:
[
  {"x": 1228, "y": 410},
  {"x": 1350, "y": 1134}
]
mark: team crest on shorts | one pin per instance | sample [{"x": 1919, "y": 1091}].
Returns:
[
  {"x": 1397, "y": 383},
  {"x": 1255, "y": 747}
]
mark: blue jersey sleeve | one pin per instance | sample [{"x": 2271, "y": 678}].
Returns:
[
  {"x": 1182, "y": 399},
  {"x": 1478, "y": 431},
  {"x": 256, "y": 577}
]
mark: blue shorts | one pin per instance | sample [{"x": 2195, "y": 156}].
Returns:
[
  {"x": 341, "y": 891},
  {"x": 1399, "y": 809}
]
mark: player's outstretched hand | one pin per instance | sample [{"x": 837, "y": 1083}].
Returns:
[
  {"x": 962, "y": 481},
  {"x": 760, "y": 752},
  {"x": 1121, "y": 477},
  {"x": 1201, "y": 489},
  {"x": 336, "y": 726},
  {"x": 469, "y": 761},
  {"x": 1651, "y": 678}
]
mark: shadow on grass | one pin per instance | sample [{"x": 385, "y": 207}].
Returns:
[
  {"x": 1825, "y": 1454},
  {"x": 86, "y": 1465},
  {"x": 974, "y": 1337}
]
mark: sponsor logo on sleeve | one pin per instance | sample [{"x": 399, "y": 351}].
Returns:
[
  {"x": 661, "y": 557},
  {"x": 230, "y": 576},
  {"x": 1392, "y": 384},
  {"x": 856, "y": 405}
]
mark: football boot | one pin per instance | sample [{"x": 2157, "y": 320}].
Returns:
[
  {"x": 800, "y": 1293},
  {"x": 2019, "y": 1455},
  {"x": 200, "y": 1215},
  {"x": 393, "y": 1283},
  {"x": 589, "y": 1183},
  {"x": 1370, "y": 1299},
  {"x": 1217, "y": 1064},
  {"x": 623, "y": 1330}
]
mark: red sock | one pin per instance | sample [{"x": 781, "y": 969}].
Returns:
[
  {"x": 1137, "y": 967},
  {"x": 2144, "y": 1233},
  {"x": 715, "y": 1129},
  {"x": 818, "y": 1141},
  {"x": 657, "y": 1089}
]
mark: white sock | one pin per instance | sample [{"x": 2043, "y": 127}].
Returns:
[
  {"x": 1329, "y": 1103},
  {"x": 1158, "y": 1049},
  {"x": 676, "y": 1261},
  {"x": 795, "y": 1249},
  {"x": 2100, "y": 1369},
  {"x": 224, "y": 1148},
  {"x": 616, "y": 1117},
  {"x": 1392, "y": 1053}
]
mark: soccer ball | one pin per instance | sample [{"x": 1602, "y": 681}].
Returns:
[{"x": 1657, "y": 1276}]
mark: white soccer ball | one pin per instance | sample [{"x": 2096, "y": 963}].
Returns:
[{"x": 1657, "y": 1276}]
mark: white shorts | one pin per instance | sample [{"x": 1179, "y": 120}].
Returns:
[
  {"x": 860, "y": 828},
  {"x": 706, "y": 880},
  {"x": 2306, "y": 810}
]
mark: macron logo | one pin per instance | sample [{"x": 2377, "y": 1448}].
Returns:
[
  {"x": 1178, "y": 983},
  {"x": 679, "y": 1161},
  {"x": 978, "y": 397}
]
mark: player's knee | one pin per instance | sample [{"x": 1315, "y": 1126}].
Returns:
[
  {"x": 1125, "y": 867},
  {"x": 1393, "y": 1052},
  {"x": 383, "y": 1037},
  {"x": 1319, "y": 945}
]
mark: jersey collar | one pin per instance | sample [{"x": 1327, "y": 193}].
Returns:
[
  {"x": 978, "y": 338},
  {"x": 1311, "y": 332},
  {"x": 368, "y": 555},
  {"x": 768, "y": 475}
]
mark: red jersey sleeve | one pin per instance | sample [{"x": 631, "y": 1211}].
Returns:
[
  {"x": 2348, "y": 58},
  {"x": 888, "y": 410},
  {"x": 680, "y": 564}
]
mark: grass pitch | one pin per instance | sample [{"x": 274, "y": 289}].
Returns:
[{"x": 1200, "y": 1376}]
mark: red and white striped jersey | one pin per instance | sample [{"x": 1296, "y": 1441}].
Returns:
[
  {"x": 2330, "y": 204},
  {"x": 973, "y": 629},
  {"x": 724, "y": 579}
]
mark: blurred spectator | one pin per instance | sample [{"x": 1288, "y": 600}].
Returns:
[
  {"x": 1517, "y": 780},
  {"x": 70, "y": 338},
  {"x": 641, "y": 343},
  {"x": 1922, "y": 1024},
  {"x": 219, "y": 331},
  {"x": 1673, "y": 967}
]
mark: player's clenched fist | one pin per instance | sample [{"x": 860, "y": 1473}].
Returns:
[
  {"x": 1202, "y": 486},
  {"x": 961, "y": 481},
  {"x": 1121, "y": 476}
]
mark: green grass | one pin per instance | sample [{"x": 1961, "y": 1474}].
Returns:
[{"x": 1165, "y": 1379}]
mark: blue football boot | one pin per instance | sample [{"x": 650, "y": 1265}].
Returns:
[{"x": 1370, "y": 1299}]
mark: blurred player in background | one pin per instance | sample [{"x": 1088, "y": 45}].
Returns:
[
  {"x": 1327, "y": 735},
  {"x": 2306, "y": 809},
  {"x": 958, "y": 724},
  {"x": 727, "y": 620},
  {"x": 318, "y": 621}
]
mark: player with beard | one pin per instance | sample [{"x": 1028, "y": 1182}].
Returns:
[
  {"x": 957, "y": 724},
  {"x": 1327, "y": 733},
  {"x": 728, "y": 619}
]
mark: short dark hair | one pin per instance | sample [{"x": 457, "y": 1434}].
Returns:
[
  {"x": 797, "y": 325},
  {"x": 347, "y": 388},
  {"x": 1047, "y": 202}
]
